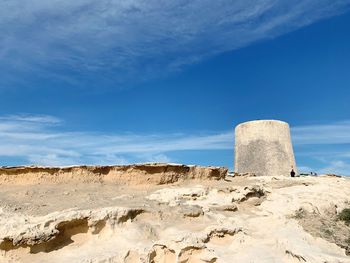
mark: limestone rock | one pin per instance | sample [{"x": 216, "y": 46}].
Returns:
[
  {"x": 136, "y": 174},
  {"x": 244, "y": 219}
]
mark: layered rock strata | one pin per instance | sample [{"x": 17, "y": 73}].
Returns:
[{"x": 135, "y": 174}]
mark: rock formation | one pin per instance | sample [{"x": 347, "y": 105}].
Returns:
[
  {"x": 135, "y": 174},
  {"x": 263, "y": 147},
  {"x": 65, "y": 216}
]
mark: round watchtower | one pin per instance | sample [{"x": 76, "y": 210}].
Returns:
[{"x": 264, "y": 147}]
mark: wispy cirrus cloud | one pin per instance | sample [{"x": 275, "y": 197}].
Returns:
[
  {"x": 333, "y": 133},
  {"x": 326, "y": 146},
  {"x": 338, "y": 167},
  {"x": 69, "y": 39},
  {"x": 42, "y": 142},
  {"x": 27, "y": 118}
]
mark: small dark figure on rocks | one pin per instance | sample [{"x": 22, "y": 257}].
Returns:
[{"x": 292, "y": 173}]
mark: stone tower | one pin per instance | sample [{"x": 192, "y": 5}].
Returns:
[{"x": 264, "y": 147}]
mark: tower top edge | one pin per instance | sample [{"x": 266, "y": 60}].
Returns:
[{"x": 257, "y": 122}]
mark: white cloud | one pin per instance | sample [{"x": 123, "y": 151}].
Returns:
[
  {"x": 42, "y": 142},
  {"x": 159, "y": 158},
  {"x": 136, "y": 36},
  {"x": 328, "y": 145},
  {"x": 45, "y": 119},
  {"x": 337, "y": 167},
  {"x": 333, "y": 133}
]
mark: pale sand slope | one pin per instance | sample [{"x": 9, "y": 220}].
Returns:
[{"x": 232, "y": 220}]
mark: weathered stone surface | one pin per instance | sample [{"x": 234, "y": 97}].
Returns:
[
  {"x": 264, "y": 147},
  {"x": 191, "y": 211},
  {"x": 240, "y": 219}
]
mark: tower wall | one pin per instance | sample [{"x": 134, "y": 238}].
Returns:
[{"x": 264, "y": 147}]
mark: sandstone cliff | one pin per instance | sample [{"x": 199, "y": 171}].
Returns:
[{"x": 135, "y": 174}]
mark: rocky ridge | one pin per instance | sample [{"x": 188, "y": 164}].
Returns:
[{"x": 152, "y": 173}]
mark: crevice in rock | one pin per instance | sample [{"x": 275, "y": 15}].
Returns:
[
  {"x": 7, "y": 245},
  {"x": 64, "y": 237},
  {"x": 130, "y": 215},
  {"x": 220, "y": 233},
  {"x": 132, "y": 257},
  {"x": 160, "y": 254},
  {"x": 298, "y": 257},
  {"x": 97, "y": 227}
]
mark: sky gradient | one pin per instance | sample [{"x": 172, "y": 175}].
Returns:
[{"x": 116, "y": 82}]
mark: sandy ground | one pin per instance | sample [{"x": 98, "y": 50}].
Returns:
[{"x": 253, "y": 219}]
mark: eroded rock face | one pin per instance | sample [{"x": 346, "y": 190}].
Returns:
[
  {"x": 136, "y": 174},
  {"x": 240, "y": 219},
  {"x": 47, "y": 233}
]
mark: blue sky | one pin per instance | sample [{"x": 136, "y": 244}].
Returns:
[{"x": 116, "y": 82}]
